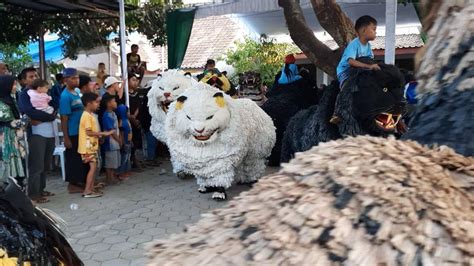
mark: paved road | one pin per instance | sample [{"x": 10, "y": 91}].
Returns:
[{"x": 115, "y": 229}]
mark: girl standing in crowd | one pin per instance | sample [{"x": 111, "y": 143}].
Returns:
[{"x": 11, "y": 131}]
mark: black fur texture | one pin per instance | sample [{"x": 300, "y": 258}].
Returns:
[
  {"x": 446, "y": 117},
  {"x": 26, "y": 233},
  {"x": 371, "y": 93},
  {"x": 284, "y": 101}
]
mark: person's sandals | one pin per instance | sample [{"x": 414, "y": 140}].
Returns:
[
  {"x": 92, "y": 195},
  {"x": 122, "y": 177},
  {"x": 47, "y": 194},
  {"x": 40, "y": 200},
  {"x": 100, "y": 185}
]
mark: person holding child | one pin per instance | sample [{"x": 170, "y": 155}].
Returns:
[
  {"x": 42, "y": 139},
  {"x": 89, "y": 135},
  {"x": 366, "y": 28}
]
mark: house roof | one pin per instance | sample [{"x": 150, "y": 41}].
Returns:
[
  {"x": 401, "y": 41},
  {"x": 211, "y": 37}
]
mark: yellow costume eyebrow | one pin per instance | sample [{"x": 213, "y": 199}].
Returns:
[{"x": 220, "y": 101}]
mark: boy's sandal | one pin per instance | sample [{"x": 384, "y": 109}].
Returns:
[
  {"x": 47, "y": 194},
  {"x": 92, "y": 195},
  {"x": 100, "y": 185},
  {"x": 122, "y": 178},
  {"x": 41, "y": 200}
]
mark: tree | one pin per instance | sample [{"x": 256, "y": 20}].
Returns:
[
  {"x": 83, "y": 31},
  {"x": 264, "y": 56},
  {"x": 16, "y": 57},
  {"x": 332, "y": 19}
]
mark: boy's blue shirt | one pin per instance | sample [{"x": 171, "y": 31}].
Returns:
[{"x": 354, "y": 50}]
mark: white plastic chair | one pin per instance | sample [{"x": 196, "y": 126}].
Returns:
[{"x": 59, "y": 148}]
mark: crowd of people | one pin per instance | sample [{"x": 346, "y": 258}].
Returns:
[{"x": 100, "y": 133}]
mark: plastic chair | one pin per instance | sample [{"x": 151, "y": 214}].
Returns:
[{"x": 59, "y": 148}]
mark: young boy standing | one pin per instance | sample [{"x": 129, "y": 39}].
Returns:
[
  {"x": 89, "y": 135},
  {"x": 112, "y": 143},
  {"x": 365, "y": 27}
]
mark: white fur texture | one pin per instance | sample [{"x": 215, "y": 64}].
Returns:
[
  {"x": 242, "y": 137},
  {"x": 172, "y": 82}
]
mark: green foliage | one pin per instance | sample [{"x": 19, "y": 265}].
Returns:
[
  {"x": 150, "y": 20},
  {"x": 16, "y": 57},
  {"x": 83, "y": 31},
  {"x": 264, "y": 56},
  {"x": 55, "y": 68}
]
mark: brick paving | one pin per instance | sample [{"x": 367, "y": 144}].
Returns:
[{"x": 115, "y": 229}]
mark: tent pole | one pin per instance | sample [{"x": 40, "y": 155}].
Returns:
[
  {"x": 123, "y": 56},
  {"x": 42, "y": 57},
  {"x": 390, "y": 25}
]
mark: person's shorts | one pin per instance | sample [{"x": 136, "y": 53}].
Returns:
[
  {"x": 112, "y": 159},
  {"x": 88, "y": 158}
]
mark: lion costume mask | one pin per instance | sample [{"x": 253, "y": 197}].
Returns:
[
  {"x": 218, "y": 139},
  {"x": 164, "y": 91}
]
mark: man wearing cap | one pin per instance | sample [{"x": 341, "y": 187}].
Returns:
[
  {"x": 70, "y": 109},
  {"x": 112, "y": 87}
]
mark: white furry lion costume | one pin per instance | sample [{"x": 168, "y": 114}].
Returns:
[
  {"x": 165, "y": 90},
  {"x": 218, "y": 139}
]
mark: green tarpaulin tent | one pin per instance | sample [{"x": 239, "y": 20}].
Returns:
[{"x": 179, "y": 24}]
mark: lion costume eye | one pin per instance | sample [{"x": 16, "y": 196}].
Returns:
[
  {"x": 187, "y": 116},
  {"x": 209, "y": 117},
  {"x": 161, "y": 88},
  {"x": 176, "y": 88}
]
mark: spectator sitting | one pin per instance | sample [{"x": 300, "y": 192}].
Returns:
[
  {"x": 101, "y": 74},
  {"x": 112, "y": 143},
  {"x": 39, "y": 96},
  {"x": 133, "y": 58},
  {"x": 289, "y": 72},
  {"x": 88, "y": 147}
]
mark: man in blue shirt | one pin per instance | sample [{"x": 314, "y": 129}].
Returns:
[
  {"x": 70, "y": 109},
  {"x": 365, "y": 27}
]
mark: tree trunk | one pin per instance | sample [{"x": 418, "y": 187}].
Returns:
[
  {"x": 334, "y": 21},
  {"x": 303, "y": 36}
]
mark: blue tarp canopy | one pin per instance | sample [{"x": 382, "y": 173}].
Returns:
[{"x": 52, "y": 50}]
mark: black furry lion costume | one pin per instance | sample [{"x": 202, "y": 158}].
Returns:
[{"x": 372, "y": 105}]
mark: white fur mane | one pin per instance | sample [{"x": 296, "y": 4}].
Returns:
[
  {"x": 165, "y": 89},
  {"x": 241, "y": 136}
]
